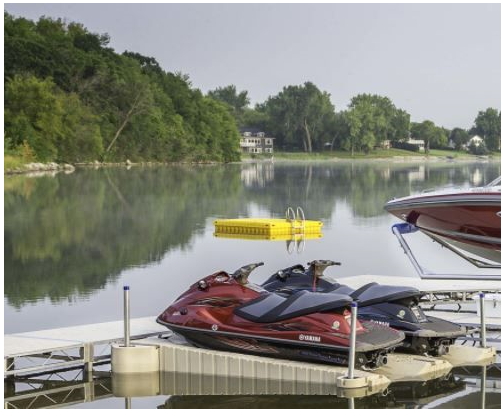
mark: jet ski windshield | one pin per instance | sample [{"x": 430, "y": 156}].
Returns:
[{"x": 272, "y": 307}]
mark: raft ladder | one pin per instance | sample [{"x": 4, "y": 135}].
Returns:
[{"x": 298, "y": 222}]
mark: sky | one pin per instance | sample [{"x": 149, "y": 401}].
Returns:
[{"x": 439, "y": 62}]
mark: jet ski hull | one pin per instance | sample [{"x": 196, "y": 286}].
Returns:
[{"x": 303, "y": 351}]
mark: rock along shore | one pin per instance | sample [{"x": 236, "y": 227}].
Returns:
[{"x": 35, "y": 168}]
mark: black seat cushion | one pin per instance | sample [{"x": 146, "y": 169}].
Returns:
[
  {"x": 373, "y": 293},
  {"x": 273, "y": 308}
]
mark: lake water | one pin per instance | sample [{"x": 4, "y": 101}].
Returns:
[{"x": 72, "y": 242}]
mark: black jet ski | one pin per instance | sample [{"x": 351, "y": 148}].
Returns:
[{"x": 394, "y": 306}]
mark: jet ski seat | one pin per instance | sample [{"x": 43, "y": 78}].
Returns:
[
  {"x": 373, "y": 293},
  {"x": 271, "y": 307}
]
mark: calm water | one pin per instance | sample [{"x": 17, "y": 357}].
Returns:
[
  {"x": 461, "y": 389},
  {"x": 72, "y": 241}
]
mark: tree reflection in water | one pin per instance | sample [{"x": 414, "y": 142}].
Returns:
[{"x": 70, "y": 235}]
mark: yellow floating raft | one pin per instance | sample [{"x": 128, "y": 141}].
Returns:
[
  {"x": 296, "y": 237},
  {"x": 267, "y": 227}
]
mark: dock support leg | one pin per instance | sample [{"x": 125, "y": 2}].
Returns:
[
  {"x": 8, "y": 365},
  {"x": 87, "y": 353},
  {"x": 89, "y": 389},
  {"x": 483, "y": 387}
]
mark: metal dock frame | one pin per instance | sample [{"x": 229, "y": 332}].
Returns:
[
  {"x": 30, "y": 353},
  {"x": 401, "y": 229}
]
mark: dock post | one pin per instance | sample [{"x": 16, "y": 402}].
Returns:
[
  {"x": 87, "y": 353},
  {"x": 353, "y": 334},
  {"x": 126, "y": 316},
  {"x": 482, "y": 320}
]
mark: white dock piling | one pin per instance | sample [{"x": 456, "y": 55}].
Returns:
[
  {"x": 353, "y": 335},
  {"x": 482, "y": 320},
  {"x": 126, "y": 316}
]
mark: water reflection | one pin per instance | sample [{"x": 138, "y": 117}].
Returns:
[
  {"x": 70, "y": 235},
  {"x": 474, "y": 387}
]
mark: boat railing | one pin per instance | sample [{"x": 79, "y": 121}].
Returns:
[
  {"x": 400, "y": 229},
  {"x": 495, "y": 182}
]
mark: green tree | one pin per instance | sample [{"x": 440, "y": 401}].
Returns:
[
  {"x": 432, "y": 135},
  {"x": 297, "y": 116},
  {"x": 459, "y": 137},
  {"x": 34, "y": 113},
  {"x": 57, "y": 126},
  {"x": 73, "y": 98},
  {"x": 372, "y": 119},
  {"x": 238, "y": 102},
  {"x": 488, "y": 125},
  {"x": 254, "y": 118},
  {"x": 400, "y": 124}
]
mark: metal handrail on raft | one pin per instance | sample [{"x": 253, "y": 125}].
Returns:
[{"x": 294, "y": 217}]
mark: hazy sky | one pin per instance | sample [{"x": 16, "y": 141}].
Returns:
[{"x": 437, "y": 61}]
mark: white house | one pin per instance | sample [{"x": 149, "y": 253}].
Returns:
[
  {"x": 475, "y": 140},
  {"x": 417, "y": 142}
]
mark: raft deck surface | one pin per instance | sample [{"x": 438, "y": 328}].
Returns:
[{"x": 267, "y": 227}]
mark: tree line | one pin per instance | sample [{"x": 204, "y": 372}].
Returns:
[
  {"x": 303, "y": 118},
  {"x": 69, "y": 97}
]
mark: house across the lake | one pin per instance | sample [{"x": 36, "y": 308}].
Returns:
[
  {"x": 475, "y": 140},
  {"x": 417, "y": 142},
  {"x": 254, "y": 140}
]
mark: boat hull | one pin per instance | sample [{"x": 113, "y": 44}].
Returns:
[{"x": 470, "y": 222}]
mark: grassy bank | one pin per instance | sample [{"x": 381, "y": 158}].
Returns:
[
  {"x": 374, "y": 154},
  {"x": 12, "y": 162}
]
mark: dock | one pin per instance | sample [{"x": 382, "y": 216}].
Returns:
[
  {"x": 178, "y": 368},
  {"x": 32, "y": 353},
  {"x": 85, "y": 345}
]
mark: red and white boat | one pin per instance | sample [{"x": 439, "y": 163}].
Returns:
[{"x": 466, "y": 219}]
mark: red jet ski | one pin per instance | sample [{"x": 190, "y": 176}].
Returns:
[{"x": 225, "y": 312}]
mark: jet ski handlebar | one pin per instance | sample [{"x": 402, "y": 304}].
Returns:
[
  {"x": 317, "y": 267},
  {"x": 241, "y": 275}
]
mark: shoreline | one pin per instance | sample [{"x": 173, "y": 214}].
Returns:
[{"x": 51, "y": 167}]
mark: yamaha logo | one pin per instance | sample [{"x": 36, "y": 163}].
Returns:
[
  {"x": 309, "y": 338},
  {"x": 379, "y": 322},
  {"x": 215, "y": 327}
]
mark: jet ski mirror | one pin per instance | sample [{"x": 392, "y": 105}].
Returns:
[
  {"x": 242, "y": 274},
  {"x": 317, "y": 267}
]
